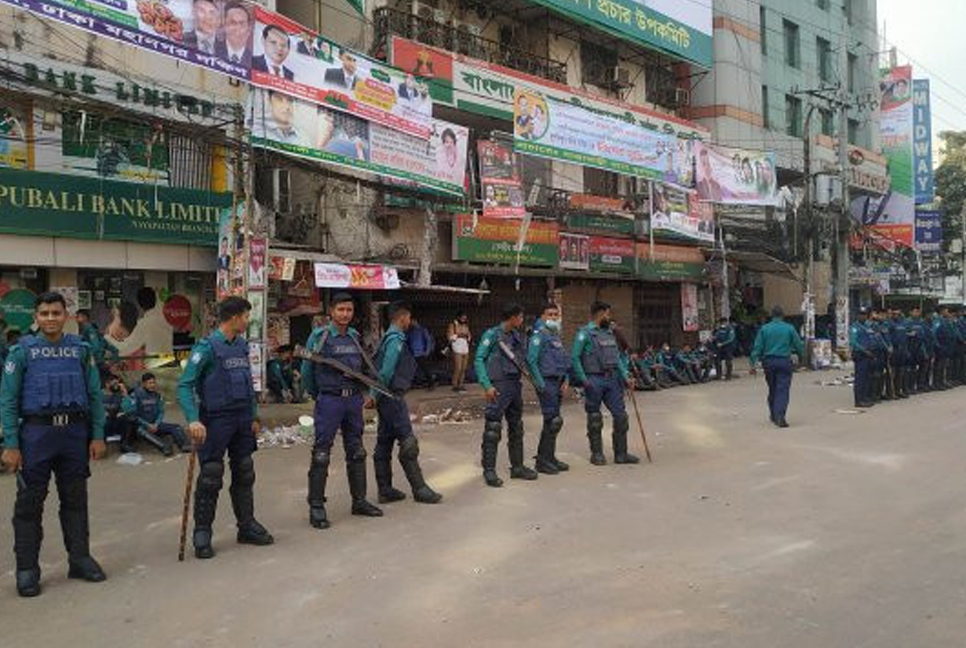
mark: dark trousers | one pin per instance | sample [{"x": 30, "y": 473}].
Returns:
[
  {"x": 509, "y": 402},
  {"x": 862, "y": 387},
  {"x": 724, "y": 354},
  {"x": 334, "y": 413},
  {"x": 607, "y": 389},
  {"x": 778, "y": 375},
  {"x": 394, "y": 425},
  {"x": 229, "y": 432},
  {"x": 550, "y": 397}
]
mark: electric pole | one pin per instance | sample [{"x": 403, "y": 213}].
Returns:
[{"x": 845, "y": 221}]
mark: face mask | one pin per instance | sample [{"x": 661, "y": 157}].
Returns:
[{"x": 553, "y": 325}]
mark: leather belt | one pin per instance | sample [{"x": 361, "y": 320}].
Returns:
[
  {"x": 62, "y": 419},
  {"x": 348, "y": 392}
]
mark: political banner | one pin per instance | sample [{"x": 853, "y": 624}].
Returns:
[
  {"x": 893, "y": 216},
  {"x": 734, "y": 176},
  {"x": 689, "y": 307},
  {"x": 681, "y": 213},
  {"x": 290, "y": 59},
  {"x": 548, "y": 128},
  {"x": 574, "y": 251},
  {"x": 303, "y": 129},
  {"x": 13, "y": 135},
  {"x": 612, "y": 255},
  {"x": 500, "y": 179},
  {"x": 929, "y": 231},
  {"x": 362, "y": 277},
  {"x": 494, "y": 240},
  {"x": 922, "y": 141},
  {"x": 485, "y": 88},
  {"x": 660, "y": 262}
]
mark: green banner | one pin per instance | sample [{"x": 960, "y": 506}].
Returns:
[
  {"x": 633, "y": 20},
  {"x": 601, "y": 223},
  {"x": 358, "y": 5},
  {"x": 670, "y": 271},
  {"x": 492, "y": 240},
  {"x": 503, "y": 252},
  {"x": 54, "y": 204}
]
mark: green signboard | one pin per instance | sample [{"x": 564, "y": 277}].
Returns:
[
  {"x": 601, "y": 223},
  {"x": 636, "y": 20},
  {"x": 670, "y": 271},
  {"x": 490, "y": 240},
  {"x": 18, "y": 309},
  {"x": 53, "y": 204}
]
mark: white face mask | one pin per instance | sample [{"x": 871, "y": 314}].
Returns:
[{"x": 553, "y": 325}]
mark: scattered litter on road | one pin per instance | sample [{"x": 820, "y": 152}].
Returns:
[
  {"x": 430, "y": 419},
  {"x": 285, "y": 437},
  {"x": 130, "y": 459},
  {"x": 837, "y": 382},
  {"x": 848, "y": 410}
]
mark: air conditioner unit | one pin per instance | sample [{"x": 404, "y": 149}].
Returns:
[
  {"x": 282, "y": 191},
  {"x": 620, "y": 77}
]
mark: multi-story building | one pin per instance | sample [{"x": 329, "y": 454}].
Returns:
[{"x": 780, "y": 67}]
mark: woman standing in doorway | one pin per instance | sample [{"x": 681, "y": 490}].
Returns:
[{"x": 459, "y": 336}]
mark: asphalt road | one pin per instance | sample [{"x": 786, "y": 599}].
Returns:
[{"x": 844, "y": 530}]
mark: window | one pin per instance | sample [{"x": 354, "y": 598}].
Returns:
[
  {"x": 852, "y": 72},
  {"x": 792, "y": 58},
  {"x": 853, "y": 132},
  {"x": 793, "y": 115},
  {"x": 824, "y": 50},
  {"x": 763, "y": 30},
  {"x": 596, "y": 63},
  {"x": 764, "y": 107},
  {"x": 823, "y": 4},
  {"x": 828, "y": 122},
  {"x": 599, "y": 182}
]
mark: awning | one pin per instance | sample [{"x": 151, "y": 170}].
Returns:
[
  {"x": 456, "y": 290},
  {"x": 758, "y": 262}
]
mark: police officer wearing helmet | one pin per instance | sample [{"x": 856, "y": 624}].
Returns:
[
  {"x": 549, "y": 365},
  {"x": 339, "y": 400},
  {"x": 499, "y": 376},
  {"x": 602, "y": 369},
  {"x": 223, "y": 420},
  {"x": 53, "y": 421},
  {"x": 397, "y": 369}
]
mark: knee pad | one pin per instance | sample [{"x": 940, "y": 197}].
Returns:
[
  {"x": 556, "y": 424},
  {"x": 621, "y": 423},
  {"x": 30, "y": 502},
  {"x": 358, "y": 455},
  {"x": 492, "y": 431},
  {"x": 515, "y": 428},
  {"x": 243, "y": 471},
  {"x": 320, "y": 458},
  {"x": 383, "y": 450},
  {"x": 211, "y": 475},
  {"x": 595, "y": 421},
  {"x": 409, "y": 448}
]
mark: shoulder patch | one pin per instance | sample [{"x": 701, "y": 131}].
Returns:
[
  {"x": 10, "y": 367},
  {"x": 196, "y": 357},
  {"x": 535, "y": 340},
  {"x": 486, "y": 341}
]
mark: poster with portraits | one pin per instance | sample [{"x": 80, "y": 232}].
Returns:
[
  {"x": 574, "y": 251},
  {"x": 735, "y": 176},
  {"x": 500, "y": 180}
]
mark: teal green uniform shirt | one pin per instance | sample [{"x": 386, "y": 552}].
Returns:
[
  {"x": 488, "y": 344},
  {"x": 777, "y": 338},
  {"x": 534, "y": 349},
  {"x": 308, "y": 367},
  {"x": 199, "y": 364},
  {"x": 100, "y": 347},
  {"x": 13, "y": 371},
  {"x": 391, "y": 347},
  {"x": 583, "y": 343},
  {"x": 129, "y": 406}
]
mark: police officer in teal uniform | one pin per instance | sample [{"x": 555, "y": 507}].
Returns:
[
  {"x": 223, "y": 420},
  {"x": 53, "y": 422},
  {"x": 724, "y": 348},
  {"x": 602, "y": 369},
  {"x": 102, "y": 350},
  {"x": 499, "y": 376},
  {"x": 774, "y": 345},
  {"x": 863, "y": 354},
  {"x": 549, "y": 365},
  {"x": 339, "y": 400},
  {"x": 397, "y": 368}
]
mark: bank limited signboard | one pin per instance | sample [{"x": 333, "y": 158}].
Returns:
[{"x": 53, "y": 204}]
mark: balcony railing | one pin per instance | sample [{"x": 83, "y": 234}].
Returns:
[{"x": 391, "y": 22}]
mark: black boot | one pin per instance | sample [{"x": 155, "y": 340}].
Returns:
[
  {"x": 318, "y": 475},
  {"x": 491, "y": 441},
  {"x": 74, "y": 524},
  {"x": 556, "y": 424},
  {"x": 356, "y": 472},
  {"x": 619, "y": 439},
  {"x": 595, "y": 429},
  {"x": 242, "y": 492},
  {"x": 383, "y": 468},
  {"x": 28, "y": 534},
  {"x": 544, "y": 459},
  {"x": 206, "y": 504},
  {"x": 514, "y": 444},
  {"x": 409, "y": 458}
]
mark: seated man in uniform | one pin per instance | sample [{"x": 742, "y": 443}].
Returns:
[
  {"x": 117, "y": 425},
  {"x": 283, "y": 376},
  {"x": 146, "y": 407}
]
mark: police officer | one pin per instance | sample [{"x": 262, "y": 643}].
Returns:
[
  {"x": 918, "y": 352},
  {"x": 499, "y": 376},
  {"x": 603, "y": 371},
  {"x": 863, "y": 354},
  {"x": 549, "y": 365},
  {"x": 926, "y": 367},
  {"x": 883, "y": 329},
  {"x": 775, "y": 343},
  {"x": 900, "y": 354},
  {"x": 724, "y": 342},
  {"x": 224, "y": 419},
  {"x": 116, "y": 421},
  {"x": 397, "y": 369},
  {"x": 339, "y": 400},
  {"x": 53, "y": 421},
  {"x": 102, "y": 350}
]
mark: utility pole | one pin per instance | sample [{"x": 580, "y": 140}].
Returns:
[
  {"x": 845, "y": 221},
  {"x": 962, "y": 232}
]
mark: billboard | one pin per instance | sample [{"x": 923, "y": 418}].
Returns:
[
  {"x": 682, "y": 29},
  {"x": 929, "y": 231},
  {"x": 893, "y": 216},
  {"x": 922, "y": 141},
  {"x": 494, "y": 240},
  {"x": 574, "y": 251},
  {"x": 734, "y": 176}
]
